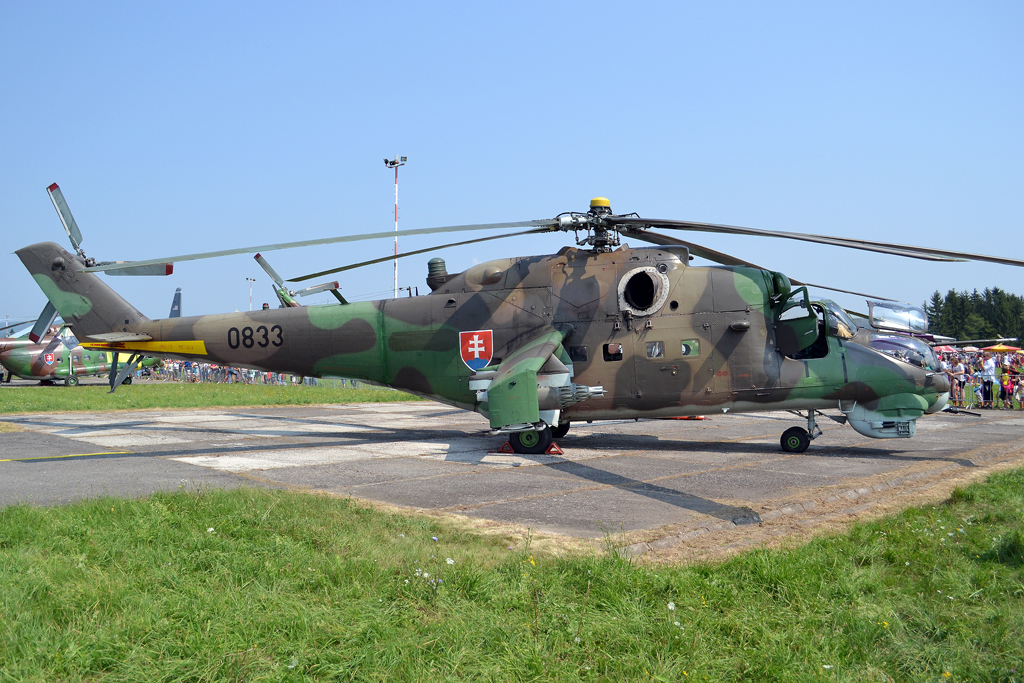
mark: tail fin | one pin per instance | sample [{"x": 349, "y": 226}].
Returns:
[
  {"x": 83, "y": 300},
  {"x": 176, "y": 304}
]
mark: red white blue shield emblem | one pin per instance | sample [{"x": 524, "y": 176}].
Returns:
[
  {"x": 48, "y": 358},
  {"x": 477, "y": 348}
]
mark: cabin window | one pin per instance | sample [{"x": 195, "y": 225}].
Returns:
[
  {"x": 86, "y": 356},
  {"x": 577, "y": 353},
  {"x": 612, "y": 352},
  {"x": 655, "y": 349},
  {"x": 691, "y": 347}
]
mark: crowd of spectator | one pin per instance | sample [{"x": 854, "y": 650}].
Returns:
[
  {"x": 194, "y": 371},
  {"x": 983, "y": 379}
]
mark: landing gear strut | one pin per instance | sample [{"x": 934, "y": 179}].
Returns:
[{"x": 797, "y": 439}]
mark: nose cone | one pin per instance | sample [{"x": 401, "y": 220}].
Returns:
[
  {"x": 939, "y": 383},
  {"x": 940, "y": 403}
]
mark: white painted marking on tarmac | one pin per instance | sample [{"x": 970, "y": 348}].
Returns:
[{"x": 133, "y": 439}]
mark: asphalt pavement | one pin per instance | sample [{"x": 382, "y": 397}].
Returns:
[{"x": 659, "y": 481}]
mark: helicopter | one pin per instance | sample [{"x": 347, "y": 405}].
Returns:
[
  {"x": 597, "y": 331},
  {"x": 57, "y": 356}
]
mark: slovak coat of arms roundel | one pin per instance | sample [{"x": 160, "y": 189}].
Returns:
[
  {"x": 477, "y": 348},
  {"x": 48, "y": 358}
]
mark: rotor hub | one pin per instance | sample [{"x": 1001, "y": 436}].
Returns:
[{"x": 600, "y": 206}]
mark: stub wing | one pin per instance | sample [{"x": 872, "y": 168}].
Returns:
[{"x": 532, "y": 385}]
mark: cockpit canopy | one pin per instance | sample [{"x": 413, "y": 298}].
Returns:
[
  {"x": 906, "y": 349},
  {"x": 889, "y": 315},
  {"x": 840, "y": 324}
]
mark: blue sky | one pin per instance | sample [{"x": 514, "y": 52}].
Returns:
[{"x": 182, "y": 127}]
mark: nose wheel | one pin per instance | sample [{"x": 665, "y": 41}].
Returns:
[{"x": 797, "y": 439}]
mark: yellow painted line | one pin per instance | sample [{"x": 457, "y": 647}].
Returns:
[
  {"x": 193, "y": 346},
  {"x": 76, "y": 455}
]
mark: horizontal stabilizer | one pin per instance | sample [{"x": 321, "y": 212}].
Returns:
[{"x": 120, "y": 337}]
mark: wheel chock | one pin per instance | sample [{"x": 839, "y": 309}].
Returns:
[
  {"x": 689, "y": 417},
  {"x": 504, "y": 448},
  {"x": 553, "y": 449}
]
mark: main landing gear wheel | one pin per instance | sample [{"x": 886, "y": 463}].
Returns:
[
  {"x": 530, "y": 442},
  {"x": 71, "y": 382},
  {"x": 795, "y": 440},
  {"x": 561, "y": 430}
]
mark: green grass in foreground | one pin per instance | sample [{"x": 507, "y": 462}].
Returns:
[
  {"x": 258, "y": 585},
  {"x": 143, "y": 394}
]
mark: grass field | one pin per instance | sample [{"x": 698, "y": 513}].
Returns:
[
  {"x": 260, "y": 585},
  {"x": 184, "y": 395}
]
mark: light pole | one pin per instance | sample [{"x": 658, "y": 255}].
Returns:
[
  {"x": 395, "y": 163},
  {"x": 250, "y": 280}
]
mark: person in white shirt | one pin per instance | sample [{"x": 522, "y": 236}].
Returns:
[
  {"x": 988, "y": 377},
  {"x": 958, "y": 377}
]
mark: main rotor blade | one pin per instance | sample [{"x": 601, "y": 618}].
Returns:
[
  {"x": 914, "y": 252},
  {"x": 548, "y": 224},
  {"x": 23, "y": 322},
  {"x": 727, "y": 260},
  {"x": 66, "y": 219},
  {"x": 695, "y": 249},
  {"x": 954, "y": 255},
  {"x": 413, "y": 253}
]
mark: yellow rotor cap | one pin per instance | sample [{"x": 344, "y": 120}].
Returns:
[{"x": 600, "y": 201}]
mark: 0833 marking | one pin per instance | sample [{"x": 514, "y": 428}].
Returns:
[{"x": 261, "y": 337}]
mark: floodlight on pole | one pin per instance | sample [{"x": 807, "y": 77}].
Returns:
[
  {"x": 250, "y": 280},
  {"x": 395, "y": 163}
]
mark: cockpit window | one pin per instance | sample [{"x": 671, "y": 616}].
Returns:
[
  {"x": 906, "y": 349},
  {"x": 840, "y": 324}
]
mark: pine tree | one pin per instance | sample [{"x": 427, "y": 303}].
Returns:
[{"x": 976, "y": 315}]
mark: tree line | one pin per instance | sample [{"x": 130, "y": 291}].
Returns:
[{"x": 976, "y": 315}]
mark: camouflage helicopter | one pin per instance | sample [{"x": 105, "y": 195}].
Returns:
[
  {"x": 57, "y": 356},
  {"x": 597, "y": 331}
]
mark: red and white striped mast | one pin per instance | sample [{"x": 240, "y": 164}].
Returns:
[{"x": 395, "y": 163}]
